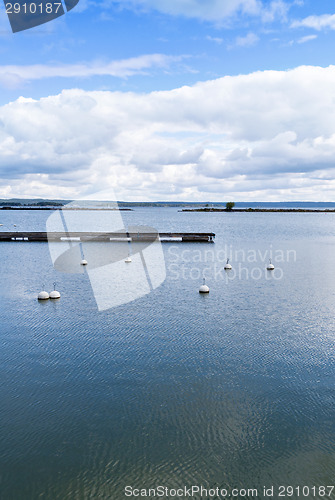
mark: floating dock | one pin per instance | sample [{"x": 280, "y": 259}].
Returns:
[{"x": 107, "y": 237}]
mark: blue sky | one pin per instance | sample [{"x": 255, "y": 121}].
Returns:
[{"x": 179, "y": 99}]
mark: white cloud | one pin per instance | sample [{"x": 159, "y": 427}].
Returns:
[
  {"x": 325, "y": 21},
  {"x": 247, "y": 41},
  {"x": 209, "y": 10},
  {"x": 271, "y": 133},
  {"x": 217, "y": 40},
  {"x": 276, "y": 10},
  {"x": 307, "y": 38},
  {"x": 14, "y": 76}
]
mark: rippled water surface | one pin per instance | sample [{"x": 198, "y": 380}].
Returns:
[{"x": 232, "y": 389}]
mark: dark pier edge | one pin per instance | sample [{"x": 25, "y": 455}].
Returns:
[
  {"x": 107, "y": 237},
  {"x": 263, "y": 210}
]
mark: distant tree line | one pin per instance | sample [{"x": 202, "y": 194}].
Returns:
[{"x": 37, "y": 204}]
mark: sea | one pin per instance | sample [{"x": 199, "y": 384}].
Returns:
[{"x": 172, "y": 393}]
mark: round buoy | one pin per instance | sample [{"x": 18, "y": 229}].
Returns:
[
  {"x": 54, "y": 294},
  {"x": 228, "y": 266},
  {"x": 83, "y": 262},
  {"x": 270, "y": 266},
  {"x": 43, "y": 296},
  {"x": 204, "y": 288},
  {"x": 128, "y": 259}
]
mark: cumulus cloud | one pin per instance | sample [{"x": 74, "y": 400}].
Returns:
[
  {"x": 325, "y": 21},
  {"x": 271, "y": 133}
]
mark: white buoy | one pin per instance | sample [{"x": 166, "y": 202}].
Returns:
[
  {"x": 228, "y": 266},
  {"x": 83, "y": 262},
  {"x": 54, "y": 294},
  {"x": 270, "y": 266},
  {"x": 204, "y": 288},
  {"x": 128, "y": 259},
  {"x": 43, "y": 296}
]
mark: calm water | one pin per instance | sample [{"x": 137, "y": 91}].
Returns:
[{"x": 234, "y": 389}]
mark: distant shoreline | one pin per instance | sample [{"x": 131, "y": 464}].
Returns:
[
  {"x": 64, "y": 208},
  {"x": 206, "y": 210},
  {"x": 250, "y": 210}
]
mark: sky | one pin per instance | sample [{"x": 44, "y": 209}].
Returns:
[{"x": 176, "y": 100}]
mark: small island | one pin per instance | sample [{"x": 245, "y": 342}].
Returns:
[{"x": 230, "y": 209}]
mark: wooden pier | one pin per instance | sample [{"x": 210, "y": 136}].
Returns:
[{"x": 107, "y": 237}]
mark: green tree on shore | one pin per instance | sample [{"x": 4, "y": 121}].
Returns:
[{"x": 230, "y": 205}]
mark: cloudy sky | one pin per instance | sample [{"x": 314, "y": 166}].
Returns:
[{"x": 204, "y": 100}]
